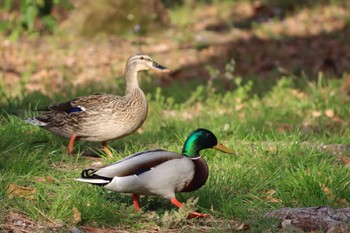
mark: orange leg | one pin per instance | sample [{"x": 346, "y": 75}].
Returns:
[
  {"x": 135, "y": 201},
  {"x": 71, "y": 142},
  {"x": 107, "y": 151},
  {"x": 175, "y": 202}
]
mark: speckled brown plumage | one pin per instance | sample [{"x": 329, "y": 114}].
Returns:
[
  {"x": 107, "y": 117},
  {"x": 101, "y": 117}
]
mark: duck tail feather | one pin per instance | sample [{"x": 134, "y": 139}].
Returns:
[
  {"x": 89, "y": 176},
  {"x": 93, "y": 181},
  {"x": 36, "y": 122},
  {"x": 88, "y": 173}
]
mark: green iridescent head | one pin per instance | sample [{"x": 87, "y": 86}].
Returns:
[{"x": 202, "y": 139}]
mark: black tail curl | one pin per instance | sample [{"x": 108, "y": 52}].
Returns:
[{"x": 90, "y": 174}]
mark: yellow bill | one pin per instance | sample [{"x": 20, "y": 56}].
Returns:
[{"x": 222, "y": 148}]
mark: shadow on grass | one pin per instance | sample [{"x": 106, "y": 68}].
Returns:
[
  {"x": 271, "y": 9},
  {"x": 267, "y": 60}
]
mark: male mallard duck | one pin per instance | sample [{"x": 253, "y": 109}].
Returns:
[
  {"x": 101, "y": 117},
  {"x": 159, "y": 172}
]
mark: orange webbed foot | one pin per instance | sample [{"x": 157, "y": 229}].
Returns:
[
  {"x": 192, "y": 215},
  {"x": 197, "y": 215}
]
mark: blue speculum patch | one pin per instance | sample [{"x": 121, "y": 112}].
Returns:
[{"x": 74, "y": 109}]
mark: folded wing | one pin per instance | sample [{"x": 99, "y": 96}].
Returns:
[{"x": 137, "y": 163}]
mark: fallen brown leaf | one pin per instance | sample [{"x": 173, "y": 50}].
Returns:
[
  {"x": 298, "y": 93},
  {"x": 270, "y": 198},
  {"x": 44, "y": 179},
  {"x": 326, "y": 190},
  {"x": 91, "y": 229},
  {"x": 19, "y": 191},
  {"x": 329, "y": 113},
  {"x": 140, "y": 131},
  {"x": 239, "y": 107},
  {"x": 339, "y": 202},
  {"x": 280, "y": 127},
  {"x": 342, "y": 203},
  {"x": 316, "y": 114},
  {"x": 337, "y": 119},
  {"x": 77, "y": 216},
  {"x": 273, "y": 149},
  {"x": 345, "y": 160}
]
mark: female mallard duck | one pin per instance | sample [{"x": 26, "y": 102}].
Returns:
[
  {"x": 159, "y": 172},
  {"x": 101, "y": 117}
]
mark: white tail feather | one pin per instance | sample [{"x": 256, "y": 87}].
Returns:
[
  {"x": 93, "y": 181},
  {"x": 36, "y": 122}
]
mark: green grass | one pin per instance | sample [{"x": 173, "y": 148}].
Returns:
[
  {"x": 263, "y": 120},
  {"x": 238, "y": 186}
]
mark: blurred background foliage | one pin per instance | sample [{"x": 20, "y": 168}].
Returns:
[
  {"x": 38, "y": 17},
  {"x": 122, "y": 17},
  {"x": 53, "y": 43},
  {"x": 21, "y": 17},
  {"x": 89, "y": 17}
]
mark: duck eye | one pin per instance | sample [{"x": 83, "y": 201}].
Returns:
[{"x": 141, "y": 58}]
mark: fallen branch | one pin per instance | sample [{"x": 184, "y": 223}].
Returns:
[{"x": 314, "y": 218}]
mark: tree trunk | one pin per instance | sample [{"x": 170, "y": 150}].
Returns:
[{"x": 314, "y": 218}]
